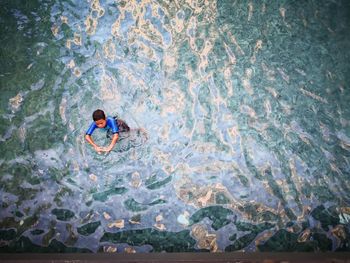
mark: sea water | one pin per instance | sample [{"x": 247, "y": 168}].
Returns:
[{"x": 240, "y": 124}]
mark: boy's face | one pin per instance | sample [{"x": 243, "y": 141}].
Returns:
[{"x": 101, "y": 123}]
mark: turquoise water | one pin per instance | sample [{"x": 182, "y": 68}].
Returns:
[{"x": 240, "y": 126}]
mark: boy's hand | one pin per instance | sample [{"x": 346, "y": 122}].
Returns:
[
  {"x": 98, "y": 149},
  {"x": 107, "y": 149}
]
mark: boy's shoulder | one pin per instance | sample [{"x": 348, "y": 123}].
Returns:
[{"x": 109, "y": 118}]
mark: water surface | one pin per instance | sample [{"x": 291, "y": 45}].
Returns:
[{"x": 240, "y": 116}]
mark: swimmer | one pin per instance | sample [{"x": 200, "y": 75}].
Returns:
[{"x": 100, "y": 121}]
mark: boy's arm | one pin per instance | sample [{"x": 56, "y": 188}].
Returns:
[
  {"x": 89, "y": 139},
  {"x": 113, "y": 142}
]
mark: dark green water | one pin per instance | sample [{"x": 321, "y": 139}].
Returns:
[{"x": 240, "y": 116}]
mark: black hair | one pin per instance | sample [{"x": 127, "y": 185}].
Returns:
[{"x": 98, "y": 115}]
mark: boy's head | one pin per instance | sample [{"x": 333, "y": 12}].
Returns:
[{"x": 99, "y": 118}]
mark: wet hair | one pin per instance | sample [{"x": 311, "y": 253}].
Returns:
[{"x": 98, "y": 115}]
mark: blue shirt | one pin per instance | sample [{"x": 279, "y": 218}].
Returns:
[{"x": 110, "y": 124}]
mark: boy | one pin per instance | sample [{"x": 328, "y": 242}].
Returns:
[{"x": 100, "y": 121}]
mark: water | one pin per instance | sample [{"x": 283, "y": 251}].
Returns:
[{"x": 240, "y": 118}]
